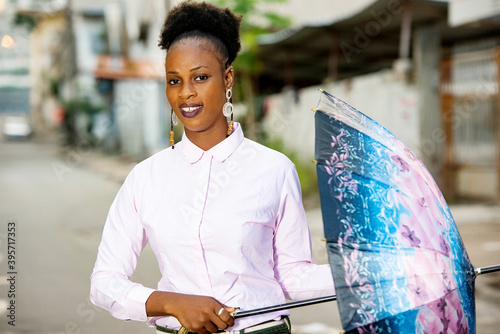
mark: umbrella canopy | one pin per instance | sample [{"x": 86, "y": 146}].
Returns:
[{"x": 398, "y": 262}]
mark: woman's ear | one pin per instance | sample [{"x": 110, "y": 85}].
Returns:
[{"x": 229, "y": 77}]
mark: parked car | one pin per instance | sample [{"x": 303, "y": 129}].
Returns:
[{"x": 17, "y": 127}]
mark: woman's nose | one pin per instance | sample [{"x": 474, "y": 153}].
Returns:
[{"x": 187, "y": 91}]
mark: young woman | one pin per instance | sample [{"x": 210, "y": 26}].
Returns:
[{"x": 223, "y": 214}]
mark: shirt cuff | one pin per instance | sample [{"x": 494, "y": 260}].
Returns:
[{"x": 136, "y": 299}]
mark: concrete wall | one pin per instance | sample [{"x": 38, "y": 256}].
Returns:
[
  {"x": 303, "y": 12},
  {"x": 141, "y": 114},
  {"x": 478, "y": 182},
  {"x": 427, "y": 58},
  {"x": 389, "y": 101}
]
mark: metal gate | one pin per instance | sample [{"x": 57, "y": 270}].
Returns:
[{"x": 470, "y": 107}]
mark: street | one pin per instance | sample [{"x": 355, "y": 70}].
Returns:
[
  {"x": 57, "y": 206},
  {"x": 58, "y": 225}
]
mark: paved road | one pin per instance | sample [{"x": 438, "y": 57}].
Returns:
[
  {"x": 59, "y": 208},
  {"x": 58, "y": 225},
  {"x": 59, "y": 205}
]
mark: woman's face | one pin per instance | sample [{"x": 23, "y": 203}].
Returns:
[{"x": 196, "y": 84}]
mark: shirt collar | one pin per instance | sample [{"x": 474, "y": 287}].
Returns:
[{"x": 220, "y": 152}]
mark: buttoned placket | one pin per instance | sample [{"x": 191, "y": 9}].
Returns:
[{"x": 205, "y": 163}]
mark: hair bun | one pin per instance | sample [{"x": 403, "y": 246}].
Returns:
[{"x": 188, "y": 18}]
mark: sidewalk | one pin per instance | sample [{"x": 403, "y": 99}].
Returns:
[{"x": 114, "y": 167}]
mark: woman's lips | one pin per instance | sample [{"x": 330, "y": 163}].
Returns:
[{"x": 189, "y": 110}]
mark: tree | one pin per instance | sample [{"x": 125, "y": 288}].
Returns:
[{"x": 257, "y": 20}]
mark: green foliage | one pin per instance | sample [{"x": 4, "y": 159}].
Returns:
[
  {"x": 81, "y": 105},
  {"x": 54, "y": 87},
  {"x": 306, "y": 171},
  {"x": 25, "y": 20},
  {"x": 256, "y": 21}
]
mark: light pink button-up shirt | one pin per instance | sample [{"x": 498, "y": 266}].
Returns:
[{"x": 227, "y": 223}]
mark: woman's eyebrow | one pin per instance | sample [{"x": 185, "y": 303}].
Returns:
[
  {"x": 191, "y": 70},
  {"x": 198, "y": 67}
]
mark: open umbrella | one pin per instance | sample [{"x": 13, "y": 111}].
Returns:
[{"x": 398, "y": 262}]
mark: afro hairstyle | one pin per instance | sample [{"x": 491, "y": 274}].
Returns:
[{"x": 203, "y": 20}]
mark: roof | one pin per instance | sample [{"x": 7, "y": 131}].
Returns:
[
  {"x": 364, "y": 42},
  {"x": 119, "y": 68}
]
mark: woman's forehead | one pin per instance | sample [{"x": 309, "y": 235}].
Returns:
[{"x": 193, "y": 49}]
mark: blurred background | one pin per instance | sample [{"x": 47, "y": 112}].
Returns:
[{"x": 82, "y": 100}]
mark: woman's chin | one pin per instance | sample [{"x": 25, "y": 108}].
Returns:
[{"x": 197, "y": 125}]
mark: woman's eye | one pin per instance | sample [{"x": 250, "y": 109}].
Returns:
[
  {"x": 201, "y": 77},
  {"x": 173, "y": 81}
]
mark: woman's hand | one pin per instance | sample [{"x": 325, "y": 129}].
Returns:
[{"x": 198, "y": 314}]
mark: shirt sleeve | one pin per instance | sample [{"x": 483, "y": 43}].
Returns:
[
  {"x": 298, "y": 276},
  {"x": 123, "y": 240}
]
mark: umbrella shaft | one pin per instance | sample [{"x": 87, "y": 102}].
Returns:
[
  {"x": 487, "y": 270},
  {"x": 241, "y": 314}
]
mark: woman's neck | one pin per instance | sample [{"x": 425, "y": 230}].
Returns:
[{"x": 208, "y": 138}]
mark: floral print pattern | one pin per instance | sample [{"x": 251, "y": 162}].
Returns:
[{"x": 398, "y": 261}]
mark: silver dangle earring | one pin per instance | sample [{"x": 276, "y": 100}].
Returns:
[
  {"x": 227, "y": 110},
  {"x": 175, "y": 119}
]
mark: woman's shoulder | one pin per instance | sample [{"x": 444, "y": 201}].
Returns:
[{"x": 262, "y": 154}]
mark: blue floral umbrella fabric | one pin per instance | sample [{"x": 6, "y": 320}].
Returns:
[{"x": 398, "y": 262}]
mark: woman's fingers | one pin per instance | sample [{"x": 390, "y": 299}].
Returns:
[
  {"x": 224, "y": 319},
  {"x": 227, "y": 315}
]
